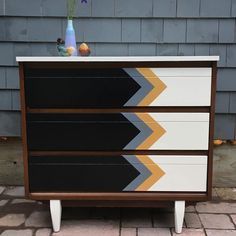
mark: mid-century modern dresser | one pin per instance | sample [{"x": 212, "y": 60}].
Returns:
[{"x": 118, "y": 131}]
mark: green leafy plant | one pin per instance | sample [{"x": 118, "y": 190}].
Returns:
[{"x": 71, "y": 6}]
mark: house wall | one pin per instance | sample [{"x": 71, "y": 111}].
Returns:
[{"x": 121, "y": 27}]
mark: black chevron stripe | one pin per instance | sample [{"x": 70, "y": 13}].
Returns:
[
  {"x": 84, "y": 88},
  {"x": 79, "y": 132},
  {"x": 80, "y": 174}
]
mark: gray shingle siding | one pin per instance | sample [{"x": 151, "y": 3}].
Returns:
[
  {"x": 222, "y": 102},
  {"x": 53, "y": 8},
  {"x": 131, "y": 30},
  {"x": 133, "y": 8},
  {"x": 152, "y": 30},
  {"x": 98, "y": 9},
  {"x": 2, "y": 7},
  {"x": 23, "y": 8},
  {"x": 174, "y": 31},
  {"x": 2, "y": 78},
  {"x": 16, "y": 29},
  {"x": 232, "y": 103},
  {"x": 231, "y": 55},
  {"x": 186, "y": 50},
  {"x": 226, "y": 80},
  {"x": 12, "y": 78},
  {"x": 202, "y": 31},
  {"x": 48, "y": 29},
  {"x": 5, "y": 101},
  {"x": 226, "y": 30},
  {"x": 188, "y": 8},
  {"x": 225, "y": 126},
  {"x": 233, "y": 10},
  {"x": 212, "y": 8},
  {"x": 164, "y": 8},
  {"x": 15, "y": 100},
  {"x": 121, "y": 27},
  {"x": 145, "y": 50},
  {"x": 102, "y": 30},
  {"x": 7, "y": 54},
  {"x": 111, "y": 49},
  {"x": 10, "y": 123}
]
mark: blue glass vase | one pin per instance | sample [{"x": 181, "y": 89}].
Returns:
[{"x": 70, "y": 40}]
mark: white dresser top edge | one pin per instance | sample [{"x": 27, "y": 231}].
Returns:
[{"x": 118, "y": 59}]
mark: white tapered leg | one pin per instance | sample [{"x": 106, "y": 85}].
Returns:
[
  {"x": 55, "y": 209},
  {"x": 179, "y": 215}
]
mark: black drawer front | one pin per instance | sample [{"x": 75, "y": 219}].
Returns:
[
  {"x": 80, "y": 174},
  {"x": 79, "y": 88},
  {"x": 80, "y": 132}
]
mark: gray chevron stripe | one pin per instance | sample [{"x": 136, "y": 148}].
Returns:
[
  {"x": 144, "y": 133},
  {"x": 142, "y": 169},
  {"x": 146, "y": 87}
]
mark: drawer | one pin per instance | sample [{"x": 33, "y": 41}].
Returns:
[
  {"x": 120, "y": 131},
  {"x": 118, "y": 173},
  {"x": 117, "y": 87}
]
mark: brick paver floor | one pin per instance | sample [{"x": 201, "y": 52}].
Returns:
[{"x": 22, "y": 217}]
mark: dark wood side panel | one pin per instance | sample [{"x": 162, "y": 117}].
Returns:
[
  {"x": 23, "y": 128},
  {"x": 211, "y": 133}
]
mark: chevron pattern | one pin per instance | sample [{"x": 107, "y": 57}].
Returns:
[
  {"x": 150, "y": 86},
  {"x": 150, "y": 173},
  {"x": 150, "y": 131}
]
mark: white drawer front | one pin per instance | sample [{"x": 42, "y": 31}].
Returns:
[
  {"x": 184, "y": 87},
  {"x": 169, "y": 131},
  {"x": 173, "y": 87},
  {"x": 172, "y": 173},
  {"x": 181, "y": 173}
]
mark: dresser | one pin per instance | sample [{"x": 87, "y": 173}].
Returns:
[{"x": 118, "y": 131}]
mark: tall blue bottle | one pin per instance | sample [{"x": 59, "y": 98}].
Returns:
[{"x": 70, "y": 40}]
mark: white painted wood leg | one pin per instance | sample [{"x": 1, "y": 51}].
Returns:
[
  {"x": 55, "y": 209},
  {"x": 179, "y": 215}
]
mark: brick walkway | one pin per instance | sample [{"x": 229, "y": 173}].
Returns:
[{"x": 20, "y": 217}]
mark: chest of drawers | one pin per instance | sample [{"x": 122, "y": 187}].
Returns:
[{"x": 132, "y": 130}]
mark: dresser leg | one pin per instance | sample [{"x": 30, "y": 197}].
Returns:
[
  {"x": 55, "y": 209},
  {"x": 179, "y": 215}
]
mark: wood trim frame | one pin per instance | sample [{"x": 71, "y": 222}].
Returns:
[
  {"x": 113, "y": 203},
  {"x": 211, "y": 129},
  {"x": 109, "y": 153},
  {"x": 117, "y": 110},
  {"x": 72, "y": 65},
  {"x": 23, "y": 128},
  {"x": 124, "y": 196}
]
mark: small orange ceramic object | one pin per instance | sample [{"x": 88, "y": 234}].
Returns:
[
  {"x": 84, "y": 49},
  {"x": 70, "y": 50},
  {"x": 218, "y": 142}
]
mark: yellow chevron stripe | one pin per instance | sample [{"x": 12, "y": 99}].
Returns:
[
  {"x": 156, "y": 171},
  {"x": 158, "y": 131},
  {"x": 158, "y": 86}
]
